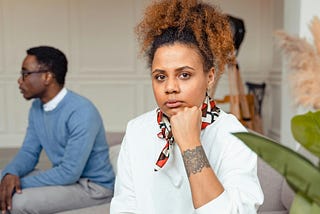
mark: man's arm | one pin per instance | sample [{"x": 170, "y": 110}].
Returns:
[
  {"x": 23, "y": 163},
  {"x": 83, "y": 127},
  {"x": 28, "y": 156}
]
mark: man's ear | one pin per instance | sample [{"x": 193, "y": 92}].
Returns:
[{"x": 49, "y": 78}]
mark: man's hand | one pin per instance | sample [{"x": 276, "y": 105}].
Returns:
[{"x": 9, "y": 185}]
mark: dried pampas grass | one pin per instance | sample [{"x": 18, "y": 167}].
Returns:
[
  {"x": 304, "y": 61},
  {"x": 315, "y": 30}
]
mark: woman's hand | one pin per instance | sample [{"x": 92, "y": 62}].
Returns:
[{"x": 186, "y": 127}]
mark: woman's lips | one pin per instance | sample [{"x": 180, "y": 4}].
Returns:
[{"x": 173, "y": 104}]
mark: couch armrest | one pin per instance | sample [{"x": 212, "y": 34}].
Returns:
[
  {"x": 113, "y": 155},
  {"x": 271, "y": 183},
  {"x": 114, "y": 138}
]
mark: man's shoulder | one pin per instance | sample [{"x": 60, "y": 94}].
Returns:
[
  {"x": 74, "y": 99},
  {"x": 80, "y": 107},
  {"x": 74, "y": 95},
  {"x": 73, "y": 104}
]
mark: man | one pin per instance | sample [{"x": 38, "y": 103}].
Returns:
[{"x": 70, "y": 130}]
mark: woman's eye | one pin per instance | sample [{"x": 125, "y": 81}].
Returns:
[
  {"x": 184, "y": 75},
  {"x": 160, "y": 77}
]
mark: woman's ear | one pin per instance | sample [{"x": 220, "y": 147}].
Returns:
[
  {"x": 211, "y": 77},
  {"x": 210, "y": 86}
]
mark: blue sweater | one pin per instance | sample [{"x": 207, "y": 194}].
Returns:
[{"x": 73, "y": 138}]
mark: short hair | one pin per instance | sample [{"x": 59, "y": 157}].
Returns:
[
  {"x": 53, "y": 59},
  {"x": 189, "y": 22}
]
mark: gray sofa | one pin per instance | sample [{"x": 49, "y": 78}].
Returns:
[{"x": 278, "y": 196}]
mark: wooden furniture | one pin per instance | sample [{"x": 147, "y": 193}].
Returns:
[
  {"x": 250, "y": 102},
  {"x": 240, "y": 103},
  {"x": 257, "y": 90},
  {"x": 246, "y": 107}
]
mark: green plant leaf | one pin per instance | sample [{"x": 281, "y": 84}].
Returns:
[
  {"x": 306, "y": 130},
  {"x": 315, "y": 209},
  {"x": 302, "y": 205},
  {"x": 299, "y": 172}
]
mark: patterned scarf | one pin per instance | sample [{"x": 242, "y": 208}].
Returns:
[{"x": 210, "y": 112}]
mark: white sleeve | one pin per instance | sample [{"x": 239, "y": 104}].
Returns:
[
  {"x": 242, "y": 195},
  {"x": 124, "y": 199},
  {"x": 237, "y": 172}
]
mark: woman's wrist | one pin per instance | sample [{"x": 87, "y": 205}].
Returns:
[
  {"x": 195, "y": 160},
  {"x": 188, "y": 145}
]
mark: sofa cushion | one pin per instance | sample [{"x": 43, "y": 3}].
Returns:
[
  {"x": 113, "y": 155},
  {"x": 114, "y": 138},
  {"x": 274, "y": 212},
  {"x": 278, "y": 196},
  {"x": 271, "y": 183},
  {"x": 287, "y": 195},
  {"x": 103, "y": 209}
]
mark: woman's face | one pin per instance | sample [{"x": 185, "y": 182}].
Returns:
[{"x": 178, "y": 78}]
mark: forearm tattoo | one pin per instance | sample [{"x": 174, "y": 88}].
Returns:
[{"x": 195, "y": 160}]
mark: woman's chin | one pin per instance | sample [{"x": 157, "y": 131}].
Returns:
[{"x": 172, "y": 111}]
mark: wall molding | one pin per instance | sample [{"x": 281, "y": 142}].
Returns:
[
  {"x": 104, "y": 63},
  {"x": 3, "y": 110},
  {"x": 2, "y": 41},
  {"x": 274, "y": 134},
  {"x": 11, "y": 140},
  {"x": 275, "y": 76}
]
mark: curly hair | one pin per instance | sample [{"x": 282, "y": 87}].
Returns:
[
  {"x": 188, "y": 22},
  {"x": 53, "y": 59}
]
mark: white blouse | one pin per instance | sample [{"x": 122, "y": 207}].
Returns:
[{"x": 140, "y": 189}]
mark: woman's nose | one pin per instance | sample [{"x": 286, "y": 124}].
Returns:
[{"x": 172, "y": 86}]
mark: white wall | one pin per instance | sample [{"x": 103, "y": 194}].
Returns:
[
  {"x": 256, "y": 52},
  {"x": 273, "y": 106},
  {"x": 297, "y": 18},
  {"x": 98, "y": 38}
]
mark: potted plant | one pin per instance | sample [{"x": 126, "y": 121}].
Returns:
[{"x": 302, "y": 175}]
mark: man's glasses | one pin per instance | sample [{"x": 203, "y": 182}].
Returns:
[{"x": 25, "y": 73}]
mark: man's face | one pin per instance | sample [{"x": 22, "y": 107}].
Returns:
[{"x": 32, "y": 80}]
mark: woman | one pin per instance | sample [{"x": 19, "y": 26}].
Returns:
[{"x": 202, "y": 167}]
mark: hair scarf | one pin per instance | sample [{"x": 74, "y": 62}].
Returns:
[{"x": 210, "y": 112}]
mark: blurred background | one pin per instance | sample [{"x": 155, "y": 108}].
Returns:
[{"x": 104, "y": 63}]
